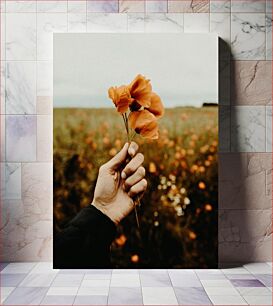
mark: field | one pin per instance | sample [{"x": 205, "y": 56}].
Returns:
[{"x": 178, "y": 213}]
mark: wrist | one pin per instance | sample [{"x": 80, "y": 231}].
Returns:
[{"x": 105, "y": 211}]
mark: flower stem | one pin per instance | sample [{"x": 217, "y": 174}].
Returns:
[{"x": 129, "y": 139}]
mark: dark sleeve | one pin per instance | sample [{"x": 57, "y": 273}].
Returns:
[{"x": 85, "y": 241}]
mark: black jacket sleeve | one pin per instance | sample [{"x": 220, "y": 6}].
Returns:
[{"x": 85, "y": 241}]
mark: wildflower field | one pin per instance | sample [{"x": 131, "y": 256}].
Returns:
[{"x": 178, "y": 213}]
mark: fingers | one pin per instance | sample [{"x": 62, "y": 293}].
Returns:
[
  {"x": 139, "y": 187},
  {"x": 132, "y": 150},
  {"x": 119, "y": 158},
  {"x": 134, "y": 178},
  {"x": 132, "y": 166}
]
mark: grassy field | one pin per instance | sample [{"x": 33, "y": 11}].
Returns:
[{"x": 178, "y": 215}]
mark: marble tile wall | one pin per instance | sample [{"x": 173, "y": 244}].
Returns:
[{"x": 245, "y": 29}]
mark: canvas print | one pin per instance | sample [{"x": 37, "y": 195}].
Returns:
[{"x": 135, "y": 151}]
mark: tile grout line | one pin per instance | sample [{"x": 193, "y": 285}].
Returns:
[{"x": 107, "y": 300}]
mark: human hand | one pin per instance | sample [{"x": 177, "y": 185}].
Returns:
[{"x": 118, "y": 183}]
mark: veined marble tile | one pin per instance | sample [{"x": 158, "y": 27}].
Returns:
[
  {"x": 245, "y": 188},
  {"x": 131, "y": 6},
  {"x": 32, "y": 230},
  {"x": 44, "y": 105},
  {"x": 248, "y": 129},
  {"x": 159, "y": 6},
  {"x": 104, "y": 275},
  {"x": 238, "y": 270},
  {"x": 268, "y": 128},
  {"x": 77, "y": 22},
  {"x": 26, "y": 296},
  {"x": 18, "y": 268},
  {"x": 38, "y": 280},
  {"x": 62, "y": 291},
  {"x": 192, "y": 296},
  {"x": 95, "y": 283},
  {"x": 62, "y": 300},
  {"x": 44, "y": 268},
  {"x": 220, "y": 24},
  {"x": 245, "y": 235},
  {"x": 248, "y": 6},
  {"x": 220, "y": 6},
  {"x": 268, "y": 23},
  {"x": 20, "y": 138},
  {"x": 77, "y": 6},
  {"x": 3, "y": 138},
  {"x": 125, "y": 280},
  {"x": 216, "y": 283},
  {"x": 196, "y": 23},
  {"x": 252, "y": 83},
  {"x": 3, "y": 36},
  {"x": 125, "y": 296},
  {"x": 20, "y": 36},
  {"x": 159, "y": 295},
  {"x": 269, "y": 6},
  {"x": 44, "y": 78},
  {"x": 20, "y": 87},
  {"x": 136, "y": 22},
  {"x": 3, "y": 87},
  {"x": 254, "y": 291},
  {"x": 248, "y": 36},
  {"x": 258, "y": 267},
  {"x": 44, "y": 138},
  {"x": 224, "y": 128},
  {"x": 10, "y": 280},
  {"x": 3, "y": 6},
  {"x": 155, "y": 280},
  {"x": 5, "y": 292},
  {"x": 258, "y": 299},
  {"x": 37, "y": 189},
  {"x": 67, "y": 280},
  {"x": 58, "y": 6},
  {"x": 159, "y": 22},
  {"x": 47, "y": 24},
  {"x": 21, "y": 6},
  {"x": 102, "y": 6},
  {"x": 224, "y": 82},
  {"x": 13, "y": 181},
  {"x": 12, "y": 233},
  {"x": 188, "y": 6},
  {"x": 100, "y": 22},
  {"x": 227, "y": 299}
]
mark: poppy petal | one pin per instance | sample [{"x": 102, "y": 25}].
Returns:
[
  {"x": 156, "y": 106},
  {"x": 121, "y": 97},
  {"x": 144, "y": 123},
  {"x": 141, "y": 90}
]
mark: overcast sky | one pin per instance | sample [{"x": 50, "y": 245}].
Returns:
[{"x": 183, "y": 68}]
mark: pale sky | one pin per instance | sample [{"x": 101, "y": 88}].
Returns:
[{"x": 183, "y": 68}]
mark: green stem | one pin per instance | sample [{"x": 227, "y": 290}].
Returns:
[{"x": 129, "y": 139}]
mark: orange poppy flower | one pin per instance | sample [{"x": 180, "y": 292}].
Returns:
[
  {"x": 121, "y": 97},
  {"x": 156, "y": 106},
  {"x": 144, "y": 123},
  {"x": 141, "y": 91}
]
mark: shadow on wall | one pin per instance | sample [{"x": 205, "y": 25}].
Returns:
[
  {"x": 238, "y": 241},
  {"x": 229, "y": 164}
]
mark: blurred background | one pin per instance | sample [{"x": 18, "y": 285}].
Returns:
[{"x": 178, "y": 213}]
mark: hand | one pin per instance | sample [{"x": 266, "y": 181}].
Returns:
[{"x": 118, "y": 183}]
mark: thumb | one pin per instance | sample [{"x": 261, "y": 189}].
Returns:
[{"x": 119, "y": 158}]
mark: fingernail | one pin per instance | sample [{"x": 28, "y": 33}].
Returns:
[
  {"x": 123, "y": 175},
  {"x": 132, "y": 151}
]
